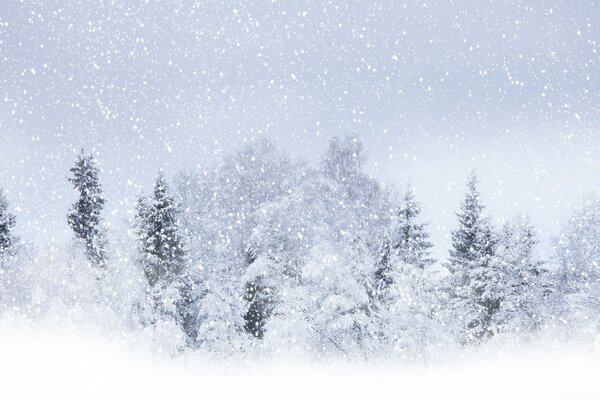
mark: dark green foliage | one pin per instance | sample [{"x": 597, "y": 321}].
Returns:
[
  {"x": 259, "y": 302},
  {"x": 258, "y": 309}
]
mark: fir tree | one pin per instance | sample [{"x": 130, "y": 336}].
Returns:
[
  {"x": 7, "y": 224},
  {"x": 408, "y": 241},
  {"x": 405, "y": 296},
  {"x": 84, "y": 217},
  {"x": 470, "y": 263},
  {"x": 383, "y": 266},
  {"x": 164, "y": 254},
  {"x": 158, "y": 228}
]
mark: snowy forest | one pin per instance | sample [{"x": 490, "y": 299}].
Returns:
[
  {"x": 313, "y": 199},
  {"x": 264, "y": 254}
]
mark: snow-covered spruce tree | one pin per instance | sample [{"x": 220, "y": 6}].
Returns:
[
  {"x": 525, "y": 281},
  {"x": 384, "y": 265},
  {"x": 474, "y": 300},
  {"x": 7, "y": 225},
  {"x": 406, "y": 300},
  {"x": 408, "y": 241},
  {"x": 14, "y": 281},
  {"x": 164, "y": 256},
  {"x": 84, "y": 217}
]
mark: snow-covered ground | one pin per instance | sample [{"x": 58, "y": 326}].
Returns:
[{"x": 51, "y": 361}]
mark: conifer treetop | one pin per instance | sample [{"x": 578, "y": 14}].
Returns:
[
  {"x": 84, "y": 217},
  {"x": 7, "y": 224}
]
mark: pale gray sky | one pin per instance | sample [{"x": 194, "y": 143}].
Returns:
[{"x": 434, "y": 89}]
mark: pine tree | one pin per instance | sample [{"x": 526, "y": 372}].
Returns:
[
  {"x": 473, "y": 277},
  {"x": 7, "y": 224},
  {"x": 164, "y": 254},
  {"x": 84, "y": 217},
  {"x": 408, "y": 241},
  {"x": 405, "y": 296},
  {"x": 384, "y": 266}
]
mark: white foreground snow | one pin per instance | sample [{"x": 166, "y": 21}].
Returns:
[{"x": 71, "y": 363}]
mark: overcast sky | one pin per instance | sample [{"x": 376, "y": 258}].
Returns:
[{"x": 511, "y": 88}]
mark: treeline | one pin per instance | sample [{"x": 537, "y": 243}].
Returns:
[{"x": 266, "y": 252}]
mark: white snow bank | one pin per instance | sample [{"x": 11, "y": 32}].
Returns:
[{"x": 71, "y": 363}]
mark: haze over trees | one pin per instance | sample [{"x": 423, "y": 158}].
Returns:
[{"x": 264, "y": 253}]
